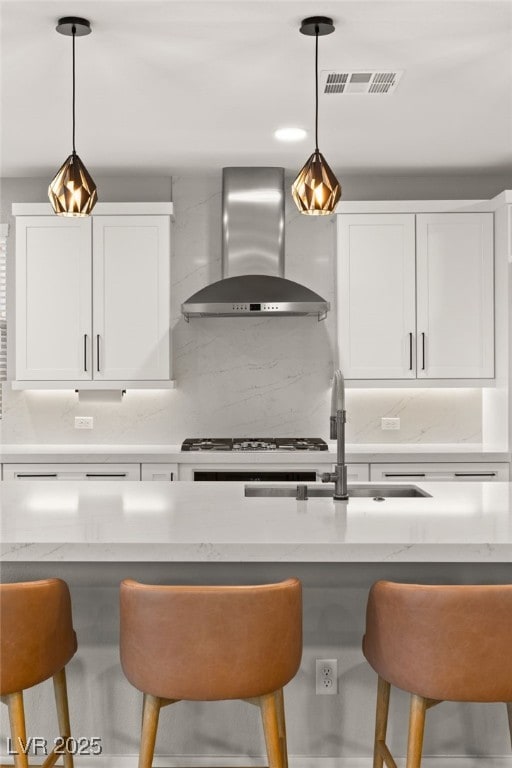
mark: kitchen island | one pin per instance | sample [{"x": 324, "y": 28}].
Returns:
[
  {"x": 198, "y": 522},
  {"x": 93, "y": 534}
]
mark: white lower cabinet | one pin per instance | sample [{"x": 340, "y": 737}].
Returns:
[
  {"x": 166, "y": 472},
  {"x": 169, "y": 472},
  {"x": 71, "y": 471},
  {"x": 463, "y": 471}
]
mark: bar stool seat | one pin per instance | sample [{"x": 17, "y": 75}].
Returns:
[
  {"x": 37, "y": 640},
  {"x": 439, "y": 643},
  {"x": 210, "y": 643}
]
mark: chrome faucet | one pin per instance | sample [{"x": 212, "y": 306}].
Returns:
[{"x": 337, "y": 432}]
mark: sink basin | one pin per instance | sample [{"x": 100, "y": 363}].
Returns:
[{"x": 371, "y": 491}]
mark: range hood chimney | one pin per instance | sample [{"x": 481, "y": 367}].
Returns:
[{"x": 253, "y": 282}]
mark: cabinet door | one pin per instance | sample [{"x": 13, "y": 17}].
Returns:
[
  {"x": 376, "y": 295},
  {"x": 131, "y": 313},
  {"x": 455, "y": 295},
  {"x": 53, "y": 298}
]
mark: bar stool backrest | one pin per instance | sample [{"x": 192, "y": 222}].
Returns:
[
  {"x": 210, "y": 642},
  {"x": 36, "y": 632},
  {"x": 447, "y": 642}
]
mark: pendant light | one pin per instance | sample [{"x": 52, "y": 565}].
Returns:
[
  {"x": 316, "y": 190},
  {"x": 72, "y": 191}
]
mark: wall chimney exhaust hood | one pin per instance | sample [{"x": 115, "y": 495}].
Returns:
[{"x": 253, "y": 282}]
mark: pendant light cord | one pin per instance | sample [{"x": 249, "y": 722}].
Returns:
[
  {"x": 316, "y": 88},
  {"x": 73, "y": 29}
]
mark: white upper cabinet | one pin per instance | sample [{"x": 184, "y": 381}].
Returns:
[
  {"x": 376, "y": 306},
  {"x": 455, "y": 295},
  {"x": 93, "y": 300},
  {"x": 416, "y": 295},
  {"x": 131, "y": 297},
  {"x": 53, "y": 298}
]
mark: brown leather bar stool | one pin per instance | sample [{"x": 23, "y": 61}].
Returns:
[
  {"x": 207, "y": 643},
  {"x": 36, "y": 642},
  {"x": 439, "y": 643}
]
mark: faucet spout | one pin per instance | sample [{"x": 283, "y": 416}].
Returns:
[
  {"x": 337, "y": 401},
  {"x": 337, "y": 432},
  {"x": 338, "y": 393}
]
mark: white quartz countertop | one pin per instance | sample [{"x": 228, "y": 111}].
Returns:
[
  {"x": 200, "y": 522},
  {"x": 355, "y": 453}
]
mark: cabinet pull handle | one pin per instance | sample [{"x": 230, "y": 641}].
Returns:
[
  {"x": 85, "y": 352},
  {"x": 410, "y": 351},
  {"x": 475, "y": 474},
  {"x": 36, "y": 474},
  {"x": 98, "y": 352},
  {"x": 105, "y": 474},
  {"x": 404, "y": 474},
  {"x": 423, "y": 351}
]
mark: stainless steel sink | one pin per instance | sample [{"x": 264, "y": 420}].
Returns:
[{"x": 303, "y": 491}]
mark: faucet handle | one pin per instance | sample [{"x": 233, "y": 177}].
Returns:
[
  {"x": 327, "y": 477},
  {"x": 333, "y": 428}
]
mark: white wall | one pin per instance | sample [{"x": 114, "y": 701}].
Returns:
[{"x": 253, "y": 376}]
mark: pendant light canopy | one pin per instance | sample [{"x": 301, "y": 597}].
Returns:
[
  {"x": 316, "y": 190},
  {"x": 72, "y": 191}
]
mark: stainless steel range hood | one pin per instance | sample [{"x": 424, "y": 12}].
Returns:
[{"x": 253, "y": 282}]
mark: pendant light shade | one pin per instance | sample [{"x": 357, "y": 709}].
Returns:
[
  {"x": 72, "y": 192},
  {"x": 316, "y": 190}
]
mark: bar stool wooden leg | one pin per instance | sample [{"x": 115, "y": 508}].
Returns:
[
  {"x": 269, "y": 716},
  {"x": 509, "y": 712},
  {"x": 416, "y": 730},
  {"x": 381, "y": 722},
  {"x": 150, "y": 714},
  {"x": 18, "y": 732},
  {"x": 61, "y": 701},
  {"x": 282, "y": 726}
]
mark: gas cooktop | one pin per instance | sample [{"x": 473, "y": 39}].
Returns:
[{"x": 254, "y": 444}]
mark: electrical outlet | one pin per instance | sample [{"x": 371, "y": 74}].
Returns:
[
  {"x": 84, "y": 422},
  {"x": 327, "y": 676},
  {"x": 389, "y": 423}
]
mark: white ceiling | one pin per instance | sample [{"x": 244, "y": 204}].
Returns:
[{"x": 174, "y": 85}]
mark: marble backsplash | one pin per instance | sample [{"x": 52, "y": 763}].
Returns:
[
  {"x": 265, "y": 406},
  {"x": 244, "y": 376}
]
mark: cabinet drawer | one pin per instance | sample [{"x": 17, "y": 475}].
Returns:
[
  {"x": 463, "y": 471},
  {"x": 71, "y": 472}
]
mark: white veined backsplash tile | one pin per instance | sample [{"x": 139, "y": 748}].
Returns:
[{"x": 426, "y": 415}]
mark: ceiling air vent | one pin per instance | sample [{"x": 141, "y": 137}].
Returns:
[{"x": 360, "y": 82}]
